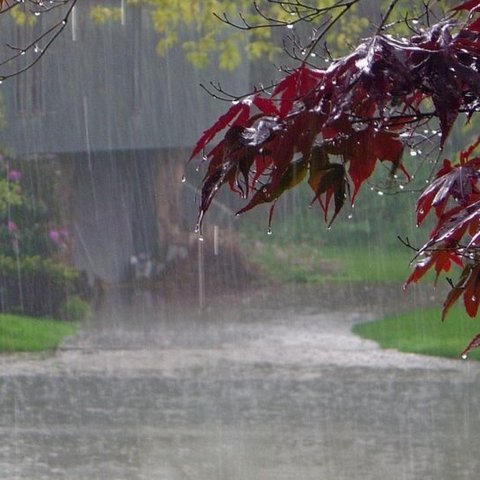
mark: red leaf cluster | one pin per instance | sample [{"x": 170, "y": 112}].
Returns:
[
  {"x": 332, "y": 126},
  {"x": 454, "y": 198}
]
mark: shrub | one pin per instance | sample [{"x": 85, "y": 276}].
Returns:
[
  {"x": 75, "y": 309},
  {"x": 34, "y": 285}
]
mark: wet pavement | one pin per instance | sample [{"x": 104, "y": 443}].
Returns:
[{"x": 266, "y": 386}]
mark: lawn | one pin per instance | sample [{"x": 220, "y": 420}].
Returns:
[
  {"x": 307, "y": 263},
  {"x": 423, "y": 332},
  {"x": 26, "y": 334}
]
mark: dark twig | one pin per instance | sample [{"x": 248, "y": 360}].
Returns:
[{"x": 49, "y": 35}]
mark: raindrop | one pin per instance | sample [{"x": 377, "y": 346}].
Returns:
[
  {"x": 200, "y": 238},
  {"x": 184, "y": 178},
  {"x": 290, "y": 26},
  {"x": 350, "y": 216},
  {"x": 380, "y": 193},
  {"x": 464, "y": 356},
  {"x": 269, "y": 231},
  {"x": 413, "y": 153}
]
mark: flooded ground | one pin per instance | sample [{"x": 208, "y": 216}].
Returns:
[{"x": 265, "y": 385}]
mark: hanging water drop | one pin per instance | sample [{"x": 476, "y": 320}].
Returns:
[{"x": 184, "y": 178}]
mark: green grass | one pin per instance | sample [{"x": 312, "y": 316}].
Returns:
[
  {"x": 423, "y": 332},
  {"x": 26, "y": 334},
  {"x": 306, "y": 263}
]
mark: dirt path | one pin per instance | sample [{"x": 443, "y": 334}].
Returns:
[
  {"x": 267, "y": 385},
  {"x": 275, "y": 331}
]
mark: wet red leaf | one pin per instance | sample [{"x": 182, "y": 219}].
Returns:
[
  {"x": 474, "y": 343},
  {"x": 468, "y": 5}
]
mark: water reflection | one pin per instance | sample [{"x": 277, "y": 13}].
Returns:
[{"x": 155, "y": 391}]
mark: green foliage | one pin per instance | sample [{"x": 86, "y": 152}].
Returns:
[
  {"x": 10, "y": 196},
  {"x": 25, "y": 219},
  {"x": 75, "y": 310},
  {"x": 23, "y": 17},
  {"x": 101, "y": 14},
  {"x": 195, "y": 26},
  {"x": 421, "y": 332},
  {"x": 25, "y": 334},
  {"x": 33, "y": 280},
  {"x": 34, "y": 285}
]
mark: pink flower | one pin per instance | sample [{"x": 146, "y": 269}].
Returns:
[
  {"x": 59, "y": 237},
  {"x": 14, "y": 175},
  {"x": 11, "y": 226}
]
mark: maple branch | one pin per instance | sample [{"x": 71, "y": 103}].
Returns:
[
  {"x": 407, "y": 243},
  {"x": 50, "y": 35},
  {"x": 303, "y": 12},
  {"x": 385, "y": 17},
  {"x": 330, "y": 25}
]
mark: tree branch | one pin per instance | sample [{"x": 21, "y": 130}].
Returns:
[{"x": 49, "y": 35}]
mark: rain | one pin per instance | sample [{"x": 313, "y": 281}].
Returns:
[{"x": 221, "y": 354}]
